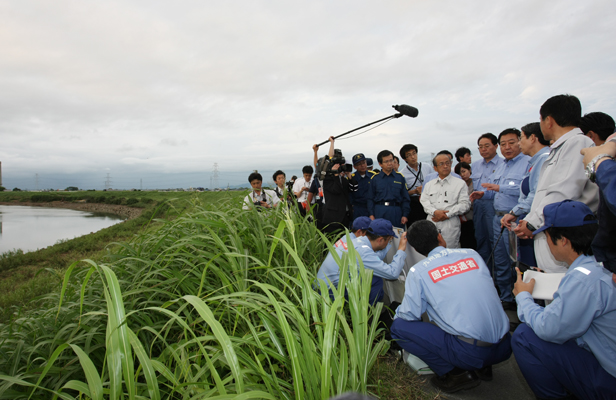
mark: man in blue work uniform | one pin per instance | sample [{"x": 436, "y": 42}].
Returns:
[
  {"x": 359, "y": 198},
  {"x": 359, "y": 229},
  {"x": 567, "y": 350},
  {"x": 388, "y": 195},
  {"x": 505, "y": 185},
  {"x": 600, "y": 165},
  {"x": 378, "y": 237},
  {"x": 534, "y": 145},
  {"x": 470, "y": 331},
  {"x": 483, "y": 203}
]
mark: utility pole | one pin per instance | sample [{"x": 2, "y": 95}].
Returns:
[
  {"x": 108, "y": 182},
  {"x": 214, "y": 177}
]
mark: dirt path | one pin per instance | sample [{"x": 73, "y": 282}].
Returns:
[{"x": 123, "y": 211}]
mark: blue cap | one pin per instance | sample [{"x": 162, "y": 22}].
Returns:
[
  {"x": 357, "y": 158},
  {"x": 565, "y": 214},
  {"x": 362, "y": 223},
  {"x": 369, "y": 162},
  {"x": 381, "y": 227}
]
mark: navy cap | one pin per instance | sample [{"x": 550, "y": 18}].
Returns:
[
  {"x": 359, "y": 157},
  {"x": 381, "y": 227},
  {"x": 369, "y": 162},
  {"x": 362, "y": 223},
  {"x": 565, "y": 214}
]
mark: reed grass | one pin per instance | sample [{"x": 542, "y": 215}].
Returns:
[{"x": 218, "y": 303}]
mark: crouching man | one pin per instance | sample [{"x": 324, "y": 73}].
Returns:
[
  {"x": 455, "y": 288},
  {"x": 567, "y": 350},
  {"x": 378, "y": 236}
]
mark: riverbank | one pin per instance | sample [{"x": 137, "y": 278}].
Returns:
[
  {"x": 25, "y": 278},
  {"x": 123, "y": 211}
]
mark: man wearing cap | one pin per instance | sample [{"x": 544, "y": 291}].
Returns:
[
  {"x": 567, "y": 350},
  {"x": 388, "y": 196},
  {"x": 359, "y": 198},
  {"x": 470, "y": 330},
  {"x": 378, "y": 237},
  {"x": 359, "y": 229}
]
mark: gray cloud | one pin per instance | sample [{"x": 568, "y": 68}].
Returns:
[{"x": 168, "y": 89}]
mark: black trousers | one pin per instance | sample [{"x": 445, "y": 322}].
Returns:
[{"x": 417, "y": 212}]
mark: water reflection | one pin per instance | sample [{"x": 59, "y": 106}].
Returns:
[{"x": 32, "y": 228}]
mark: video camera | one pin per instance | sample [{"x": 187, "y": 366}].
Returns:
[
  {"x": 325, "y": 164},
  {"x": 344, "y": 167}
]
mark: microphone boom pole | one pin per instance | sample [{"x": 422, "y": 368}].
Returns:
[
  {"x": 402, "y": 109},
  {"x": 398, "y": 115}
]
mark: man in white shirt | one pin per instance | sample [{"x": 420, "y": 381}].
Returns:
[
  {"x": 562, "y": 174},
  {"x": 301, "y": 188},
  {"x": 259, "y": 198},
  {"x": 444, "y": 199},
  {"x": 414, "y": 175}
]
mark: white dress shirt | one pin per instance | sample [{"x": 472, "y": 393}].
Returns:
[{"x": 448, "y": 194}]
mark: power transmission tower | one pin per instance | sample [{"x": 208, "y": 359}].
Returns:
[
  {"x": 36, "y": 181},
  {"x": 108, "y": 182},
  {"x": 140, "y": 184},
  {"x": 214, "y": 177}
]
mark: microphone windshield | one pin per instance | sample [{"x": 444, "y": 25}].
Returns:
[{"x": 407, "y": 110}]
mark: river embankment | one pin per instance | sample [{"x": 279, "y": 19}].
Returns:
[{"x": 116, "y": 209}]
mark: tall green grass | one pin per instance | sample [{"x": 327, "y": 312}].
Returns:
[{"x": 218, "y": 303}]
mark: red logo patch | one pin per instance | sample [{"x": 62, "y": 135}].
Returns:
[
  {"x": 445, "y": 271},
  {"x": 341, "y": 243}
]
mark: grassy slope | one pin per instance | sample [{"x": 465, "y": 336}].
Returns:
[{"x": 26, "y": 276}]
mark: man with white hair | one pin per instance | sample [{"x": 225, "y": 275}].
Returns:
[{"x": 444, "y": 199}]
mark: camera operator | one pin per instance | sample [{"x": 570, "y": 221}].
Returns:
[
  {"x": 337, "y": 184},
  {"x": 259, "y": 198}
]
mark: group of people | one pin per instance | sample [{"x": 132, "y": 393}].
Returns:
[{"x": 553, "y": 186}]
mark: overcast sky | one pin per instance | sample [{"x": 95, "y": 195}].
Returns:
[{"x": 153, "y": 93}]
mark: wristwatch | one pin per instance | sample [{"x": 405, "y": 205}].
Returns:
[
  {"x": 530, "y": 227},
  {"x": 512, "y": 213},
  {"x": 591, "y": 169}
]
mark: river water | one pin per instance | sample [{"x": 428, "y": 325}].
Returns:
[{"x": 32, "y": 228}]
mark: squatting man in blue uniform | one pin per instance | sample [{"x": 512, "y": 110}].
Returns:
[
  {"x": 567, "y": 350},
  {"x": 470, "y": 331},
  {"x": 369, "y": 248}
]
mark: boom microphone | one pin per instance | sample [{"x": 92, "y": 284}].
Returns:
[
  {"x": 402, "y": 109},
  {"x": 407, "y": 110}
]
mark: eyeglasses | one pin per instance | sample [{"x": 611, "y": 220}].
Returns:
[
  {"x": 485, "y": 146},
  {"x": 444, "y": 163}
]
